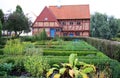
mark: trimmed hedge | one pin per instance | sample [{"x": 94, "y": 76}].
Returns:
[
  {"x": 79, "y": 53},
  {"x": 110, "y": 48},
  {"x": 67, "y": 53}
]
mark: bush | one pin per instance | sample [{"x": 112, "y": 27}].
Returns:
[
  {"x": 17, "y": 64},
  {"x": 5, "y": 68},
  {"x": 15, "y": 47},
  {"x": 33, "y": 51},
  {"x": 36, "y": 65},
  {"x": 0, "y": 30},
  {"x": 27, "y": 38},
  {"x": 41, "y": 36},
  {"x": 1, "y": 51},
  {"x": 116, "y": 39},
  {"x": 118, "y": 35},
  {"x": 115, "y": 66}
]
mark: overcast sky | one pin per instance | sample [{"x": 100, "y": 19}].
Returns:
[{"x": 34, "y": 7}]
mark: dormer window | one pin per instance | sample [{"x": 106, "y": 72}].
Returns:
[{"x": 46, "y": 19}]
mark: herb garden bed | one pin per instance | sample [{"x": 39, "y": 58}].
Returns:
[{"x": 36, "y": 59}]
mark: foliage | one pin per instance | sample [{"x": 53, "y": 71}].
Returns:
[
  {"x": 67, "y": 53},
  {"x": 78, "y": 45},
  {"x": 115, "y": 67},
  {"x": 33, "y": 51},
  {"x": 27, "y": 38},
  {"x": 118, "y": 35},
  {"x": 57, "y": 54},
  {"x": 0, "y": 31},
  {"x": 15, "y": 47},
  {"x": 36, "y": 65},
  {"x": 41, "y": 35},
  {"x": 70, "y": 70},
  {"x": 116, "y": 39},
  {"x": 110, "y": 48},
  {"x": 72, "y": 59},
  {"x": 1, "y": 16},
  {"x": 67, "y": 38},
  {"x": 103, "y": 26},
  {"x": 5, "y": 68},
  {"x": 18, "y": 22}
]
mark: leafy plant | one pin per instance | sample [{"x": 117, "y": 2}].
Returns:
[
  {"x": 0, "y": 30},
  {"x": 33, "y": 51},
  {"x": 69, "y": 70},
  {"x": 15, "y": 47},
  {"x": 5, "y": 68},
  {"x": 41, "y": 35},
  {"x": 36, "y": 65}
]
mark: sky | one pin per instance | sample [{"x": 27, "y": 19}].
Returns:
[{"x": 34, "y": 7}]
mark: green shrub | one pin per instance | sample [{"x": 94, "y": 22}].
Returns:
[
  {"x": 36, "y": 65},
  {"x": 5, "y": 68},
  {"x": 41, "y": 36},
  {"x": 0, "y": 30},
  {"x": 15, "y": 47},
  {"x": 1, "y": 51},
  {"x": 118, "y": 35},
  {"x": 33, "y": 51},
  {"x": 115, "y": 66},
  {"x": 27, "y": 38},
  {"x": 16, "y": 61},
  {"x": 116, "y": 39}
]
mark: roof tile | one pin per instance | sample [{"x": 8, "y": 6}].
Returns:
[{"x": 71, "y": 11}]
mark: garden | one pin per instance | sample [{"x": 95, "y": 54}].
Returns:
[{"x": 54, "y": 58}]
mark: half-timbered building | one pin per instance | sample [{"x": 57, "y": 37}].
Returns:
[{"x": 64, "y": 20}]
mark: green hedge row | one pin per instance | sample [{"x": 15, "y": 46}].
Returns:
[
  {"x": 61, "y": 59},
  {"x": 67, "y": 53},
  {"x": 110, "y": 48}
]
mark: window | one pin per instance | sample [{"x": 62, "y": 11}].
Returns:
[
  {"x": 58, "y": 30},
  {"x": 77, "y": 33},
  {"x": 78, "y": 23},
  {"x": 64, "y": 34},
  {"x": 63, "y": 23},
  {"x": 71, "y": 23}
]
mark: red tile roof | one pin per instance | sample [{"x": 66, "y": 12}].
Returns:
[
  {"x": 71, "y": 11},
  {"x": 46, "y": 15}
]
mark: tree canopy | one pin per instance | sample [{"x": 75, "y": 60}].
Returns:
[
  {"x": 1, "y": 16},
  {"x": 0, "y": 30},
  {"x": 18, "y": 22},
  {"x": 103, "y": 26}
]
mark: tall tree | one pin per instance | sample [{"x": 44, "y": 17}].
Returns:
[
  {"x": 0, "y": 30},
  {"x": 103, "y": 26},
  {"x": 18, "y": 22},
  {"x": 114, "y": 26},
  {"x": 99, "y": 25},
  {"x": 1, "y": 16}
]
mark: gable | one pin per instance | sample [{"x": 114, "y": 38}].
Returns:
[
  {"x": 71, "y": 11},
  {"x": 46, "y": 15}
]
